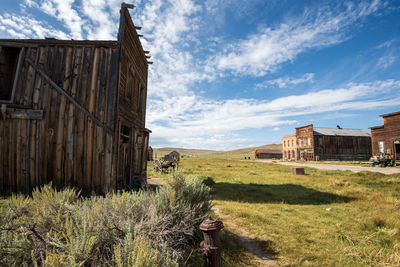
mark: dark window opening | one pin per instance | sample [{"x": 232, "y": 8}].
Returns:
[
  {"x": 8, "y": 66},
  {"x": 125, "y": 134},
  {"x": 397, "y": 147},
  {"x": 130, "y": 84},
  {"x": 141, "y": 99}
]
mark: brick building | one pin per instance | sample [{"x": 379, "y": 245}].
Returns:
[
  {"x": 386, "y": 138},
  {"x": 315, "y": 143},
  {"x": 289, "y": 147}
]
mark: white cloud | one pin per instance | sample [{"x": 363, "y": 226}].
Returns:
[
  {"x": 104, "y": 23},
  {"x": 267, "y": 49},
  {"x": 386, "y": 61},
  {"x": 286, "y": 81},
  {"x": 25, "y": 27},
  {"x": 276, "y": 129},
  {"x": 195, "y": 121},
  {"x": 63, "y": 11}
]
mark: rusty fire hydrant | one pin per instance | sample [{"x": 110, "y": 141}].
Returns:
[{"x": 211, "y": 247}]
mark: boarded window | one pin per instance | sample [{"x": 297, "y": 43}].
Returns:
[
  {"x": 141, "y": 99},
  {"x": 130, "y": 83},
  {"x": 8, "y": 66},
  {"x": 284, "y": 143}
]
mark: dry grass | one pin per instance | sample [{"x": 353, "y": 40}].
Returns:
[{"x": 324, "y": 218}]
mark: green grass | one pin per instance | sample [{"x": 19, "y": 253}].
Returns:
[{"x": 323, "y": 218}]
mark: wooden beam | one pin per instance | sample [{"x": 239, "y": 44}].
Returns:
[
  {"x": 66, "y": 95},
  {"x": 24, "y": 114},
  {"x": 125, "y": 5}
]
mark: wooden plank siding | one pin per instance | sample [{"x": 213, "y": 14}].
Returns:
[
  {"x": 313, "y": 146},
  {"x": 75, "y": 92},
  {"x": 389, "y": 134},
  {"x": 349, "y": 148},
  {"x": 132, "y": 155},
  {"x": 66, "y": 137}
]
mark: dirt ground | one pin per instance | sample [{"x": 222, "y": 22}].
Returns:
[{"x": 327, "y": 166}]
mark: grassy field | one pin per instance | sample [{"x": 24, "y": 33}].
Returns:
[
  {"x": 232, "y": 154},
  {"x": 323, "y": 218}
]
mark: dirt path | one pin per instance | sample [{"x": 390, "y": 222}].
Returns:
[
  {"x": 387, "y": 170},
  {"x": 263, "y": 258}
]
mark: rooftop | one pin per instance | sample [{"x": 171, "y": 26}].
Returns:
[
  {"x": 268, "y": 151},
  {"x": 340, "y": 132},
  {"x": 390, "y": 114}
]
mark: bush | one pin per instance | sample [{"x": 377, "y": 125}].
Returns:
[{"x": 144, "y": 228}]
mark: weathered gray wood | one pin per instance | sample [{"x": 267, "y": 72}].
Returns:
[
  {"x": 24, "y": 114},
  {"x": 62, "y": 92}
]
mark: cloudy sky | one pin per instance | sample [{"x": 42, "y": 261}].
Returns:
[{"x": 230, "y": 74}]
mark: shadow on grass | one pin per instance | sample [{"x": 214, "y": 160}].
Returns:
[
  {"x": 275, "y": 193},
  {"x": 235, "y": 247}
]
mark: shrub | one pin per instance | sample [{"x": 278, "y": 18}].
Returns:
[{"x": 144, "y": 228}]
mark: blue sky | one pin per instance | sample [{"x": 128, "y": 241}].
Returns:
[{"x": 229, "y": 74}]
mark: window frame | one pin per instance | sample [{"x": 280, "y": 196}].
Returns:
[
  {"x": 16, "y": 74},
  {"x": 381, "y": 146}
]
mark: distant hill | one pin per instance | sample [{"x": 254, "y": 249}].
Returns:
[
  {"x": 243, "y": 152},
  {"x": 237, "y": 153},
  {"x": 183, "y": 151}
]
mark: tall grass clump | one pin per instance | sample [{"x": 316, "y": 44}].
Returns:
[{"x": 144, "y": 228}]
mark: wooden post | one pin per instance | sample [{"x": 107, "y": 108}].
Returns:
[{"x": 211, "y": 246}]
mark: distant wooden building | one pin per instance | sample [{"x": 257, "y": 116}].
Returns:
[
  {"x": 289, "y": 147},
  {"x": 73, "y": 112},
  {"x": 150, "y": 153},
  {"x": 268, "y": 154},
  {"x": 315, "y": 143},
  {"x": 174, "y": 155},
  {"x": 386, "y": 138}
]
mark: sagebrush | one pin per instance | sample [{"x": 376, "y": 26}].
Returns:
[{"x": 144, "y": 228}]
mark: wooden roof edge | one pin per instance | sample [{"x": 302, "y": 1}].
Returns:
[
  {"x": 376, "y": 127},
  {"x": 270, "y": 151},
  {"x": 287, "y": 136},
  {"x": 27, "y": 42},
  {"x": 125, "y": 12},
  {"x": 305, "y": 126},
  {"x": 390, "y": 114}
]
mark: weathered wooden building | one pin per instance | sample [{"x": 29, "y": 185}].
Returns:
[
  {"x": 73, "y": 112},
  {"x": 268, "y": 154},
  {"x": 386, "y": 138},
  {"x": 315, "y": 143},
  {"x": 150, "y": 154},
  {"x": 173, "y": 155}
]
